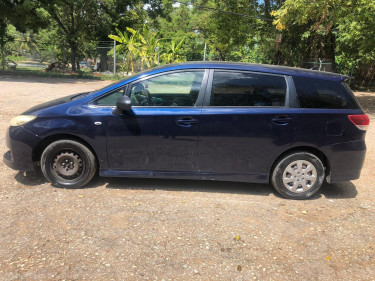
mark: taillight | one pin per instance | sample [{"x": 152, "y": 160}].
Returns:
[{"x": 361, "y": 121}]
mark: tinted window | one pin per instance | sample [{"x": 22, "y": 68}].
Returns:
[
  {"x": 110, "y": 100},
  {"x": 174, "y": 89},
  {"x": 318, "y": 93},
  {"x": 247, "y": 89}
]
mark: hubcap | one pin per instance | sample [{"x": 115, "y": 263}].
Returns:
[
  {"x": 299, "y": 176},
  {"x": 67, "y": 164}
]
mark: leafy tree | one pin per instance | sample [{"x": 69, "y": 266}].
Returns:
[
  {"x": 171, "y": 54},
  {"x": 223, "y": 25},
  {"x": 4, "y": 39},
  {"x": 129, "y": 44},
  {"x": 355, "y": 51},
  {"x": 150, "y": 49},
  {"x": 181, "y": 23},
  {"x": 82, "y": 21},
  {"x": 313, "y": 24},
  {"x": 340, "y": 30},
  {"x": 23, "y": 14},
  {"x": 74, "y": 18}
]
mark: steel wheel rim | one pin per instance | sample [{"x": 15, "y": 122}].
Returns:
[
  {"x": 68, "y": 165},
  {"x": 299, "y": 176}
]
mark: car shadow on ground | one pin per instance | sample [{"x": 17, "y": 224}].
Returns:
[
  {"x": 30, "y": 178},
  {"x": 339, "y": 190},
  {"x": 330, "y": 191},
  {"x": 190, "y": 186}
]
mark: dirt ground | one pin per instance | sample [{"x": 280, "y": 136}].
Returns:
[{"x": 138, "y": 229}]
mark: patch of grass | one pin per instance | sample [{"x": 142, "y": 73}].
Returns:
[
  {"x": 38, "y": 72},
  {"x": 16, "y": 58}
]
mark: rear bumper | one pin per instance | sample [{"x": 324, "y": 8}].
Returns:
[
  {"x": 345, "y": 160},
  {"x": 21, "y": 143}
]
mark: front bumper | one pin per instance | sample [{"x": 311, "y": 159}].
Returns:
[{"x": 21, "y": 143}]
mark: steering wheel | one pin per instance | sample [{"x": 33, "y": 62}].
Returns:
[{"x": 140, "y": 91}]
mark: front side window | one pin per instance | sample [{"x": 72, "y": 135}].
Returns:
[
  {"x": 247, "y": 89},
  {"x": 111, "y": 99},
  {"x": 173, "y": 89}
]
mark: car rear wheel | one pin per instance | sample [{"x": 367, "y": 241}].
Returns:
[
  {"x": 68, "y": 163},
  {"x": 298, "y": 175}
]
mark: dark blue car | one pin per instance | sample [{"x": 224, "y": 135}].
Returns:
[{"x": 292, "y": 127}]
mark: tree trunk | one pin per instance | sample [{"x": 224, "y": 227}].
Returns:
[
  {"x": 267, "y": 7},
  {"x": 103, "y": 65},
  {"x": 2, "y": 57},
  {"x": 73, "y": 55},
  {"x": 332, "y": 50}
]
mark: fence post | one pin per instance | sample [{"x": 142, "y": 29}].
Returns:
[
  {"x": 114, "y": 57},
  {"x": 205, "y": 49}
]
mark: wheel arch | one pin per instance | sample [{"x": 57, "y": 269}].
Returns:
[
  {"x": 41, "y": 146},
  {"x": 318, "y": 153}
]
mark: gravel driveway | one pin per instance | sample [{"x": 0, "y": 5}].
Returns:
[{"x": 146, "y": 229}]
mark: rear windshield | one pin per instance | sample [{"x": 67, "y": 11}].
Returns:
[{"x": 318, "y": 93}]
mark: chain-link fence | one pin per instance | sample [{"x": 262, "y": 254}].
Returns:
[
  {"x": 105, "y": 60},
  {"x": 318, "y": 64},
  {"x": 96, "y": 56},
  {"x": 91, "y": 57}
]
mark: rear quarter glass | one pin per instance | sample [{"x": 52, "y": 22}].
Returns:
[{"x": 324, "y": 94}]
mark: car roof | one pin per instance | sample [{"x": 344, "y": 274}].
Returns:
[{"x": 263, "y": 68}]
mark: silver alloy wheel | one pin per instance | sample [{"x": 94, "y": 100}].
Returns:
[{"x": 299, "y": 176}]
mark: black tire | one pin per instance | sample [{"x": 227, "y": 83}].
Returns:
[
  {"x": 299, "y": 183},
  {"x": 68, "y": 164}
]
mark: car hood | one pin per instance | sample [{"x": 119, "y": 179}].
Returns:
[{"x": 55, "y": 102}]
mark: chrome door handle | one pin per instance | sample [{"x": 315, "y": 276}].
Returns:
[{"x": 186, "y": 122}]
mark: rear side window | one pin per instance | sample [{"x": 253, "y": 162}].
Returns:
[
  {"x": 247, "y": 89},
  {"x": 318, "y": 93}
]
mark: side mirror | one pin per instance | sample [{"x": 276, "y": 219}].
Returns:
[{"x": 124, "y": 103}]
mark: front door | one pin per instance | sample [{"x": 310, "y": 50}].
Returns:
[{"x": 161, "y": 132}]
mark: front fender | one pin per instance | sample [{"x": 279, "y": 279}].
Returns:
[{"x": 90, "y": 129}]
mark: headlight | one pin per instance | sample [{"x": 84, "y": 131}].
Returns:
[{"x": 21, "y": 119}]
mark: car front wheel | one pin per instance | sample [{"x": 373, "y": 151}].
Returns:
[
  {"x": 298, "y": 175},
  {"x": 68, "y": 163}
]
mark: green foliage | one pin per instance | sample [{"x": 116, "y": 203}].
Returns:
[
  {"x": 24, "y": 15},
  {"x": 223, "y": 27},
  {"x": 144, "y": 45},
  {"x": 340, "y": 30},
  {"x": 129, "y": 45},
  {"x": 153, "y": 32},
  {"x": 181, "y": 24},
  {"x": 171, "y": 54},
  {"x": 356, "y": 30}
]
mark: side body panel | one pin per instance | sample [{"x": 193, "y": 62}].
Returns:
[
  {"x": 331, "y": 132},
  {"x": 243, "y": 142},
  {"x": 150, "y": 139},
  {"x": 156, "y": 138}
]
